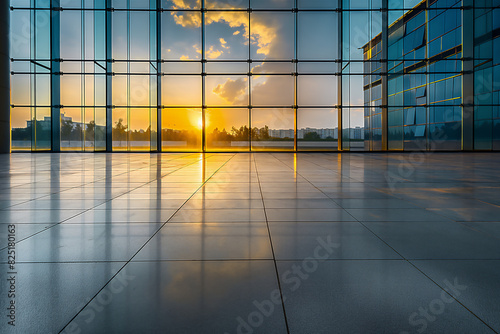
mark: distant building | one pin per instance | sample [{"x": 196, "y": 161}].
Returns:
[{"x": 424, "y": 79}]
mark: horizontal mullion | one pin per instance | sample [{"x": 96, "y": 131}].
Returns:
[
  {"x": 242, "y": 61},
  {"x": 291, "y": 9},
  {"x": 399, "y": 107}
]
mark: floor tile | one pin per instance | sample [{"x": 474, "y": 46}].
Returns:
[
  {"x": 381, "y": 215},
  {"x": 208, "y": 203},
  {"x": 492, "y": 229},
  {"x": 436, "y": 240},
  {"x": 367, "y": 296},
  {"x": 219, "y": 216},
  {"x": 297, "y": 241},
  {"x": 374, "y": 203},
  {"x": 306, "y": 215},
  {"x": 190, "y": 297},
  {"x": 49, "y": 295},
  {"x": 177, "y": 241},
  {"x": 122, "y": 216},
  {"x": 84, "y": 242},
  {"x": 473, "y": 283},
  {"x": 36, "y": 216},
  {"x": 20, "y": 231},
  {"x": 470, "y": 214},
  {"x": 301, "y": 203}
]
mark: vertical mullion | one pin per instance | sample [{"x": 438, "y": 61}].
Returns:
[
  {"x": 296, "y": 78},
  {"x": 468, "y": 75},
  {"x": 83, "y": 79},
  {"x": 55, "y": 77},
  {"x": 129, "y": 110},
  {"x": 340, "y": 36},
  {"x": 427, "y": 77},
  {"x": 249, "y": 76},
  {"x": 109, "y": 79},
  {"x": 384, "y": 74},
  {"x": 203, "y": 77},
  {"x": 158, "y": 77},
  {"x": 32, "y": 77}
]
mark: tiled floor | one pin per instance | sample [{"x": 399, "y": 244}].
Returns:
[{"x": 252, "y": 243}]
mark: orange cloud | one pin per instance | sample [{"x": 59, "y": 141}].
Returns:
[
  {"x": 232, "y": 90},
  {"x": 262, "y": 34}
]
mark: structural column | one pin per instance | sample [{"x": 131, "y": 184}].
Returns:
[{"x": 4, "y": 78}]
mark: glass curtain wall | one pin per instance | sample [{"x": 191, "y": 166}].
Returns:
[
  {"x": 253, "y": 75},
  {"x": 487, "y": 75}
]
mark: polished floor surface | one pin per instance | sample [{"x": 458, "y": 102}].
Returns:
[{"x": 251, "y": 243}]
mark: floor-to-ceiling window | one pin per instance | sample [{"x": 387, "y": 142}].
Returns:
[{"x": 251, "y": 75}]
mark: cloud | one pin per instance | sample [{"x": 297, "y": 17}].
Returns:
[
  {"x": 212, "y": 53},
  {"x": 223, "y": 43},
  {"x": 185, "y": 4},
  {"x": 232, "y": 90},
  {"x": 262, "y": 34},
  {"x": 187, "y": 20}
]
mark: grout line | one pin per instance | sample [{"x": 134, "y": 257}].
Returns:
[
  {"x": 272, "y": 248},
  {"x": 245, "y": 260}
]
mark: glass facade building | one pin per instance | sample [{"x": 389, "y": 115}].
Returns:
[{"x": 254, "y": 75}]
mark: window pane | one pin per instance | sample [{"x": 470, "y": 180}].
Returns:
[
  {"x": 226, "y": 35},
  {"x": 120, "y": 87},
  {"x": 20, "y": 89},
  {"x": 41, "y": 139},
  {"x": 71, "y": 90},
  {"x": 181, "y": 35},
  {"x": 273, "y": 90},
  {"x": 272, "y": 35},
  {"x": 227, "y": 129},
  {"x": 140, "y": 129},
  {"x": 120, "y": 130},
  {"x": 71, "y": 129},
  {"x": 319, "y": 90},
  {"x": 71, "y": 34},
  {"x": 181, "y": 129},
  {"x": 181, "y": 90},
  {"x": 317, "y": 129},
  {"x": 139, "y": 35},
  {"x": 273, "y": 129},
  {"x": 21, "y": 128},
  {"x": 226, "y": 91},
  {"x": 314, "y": 41}
]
